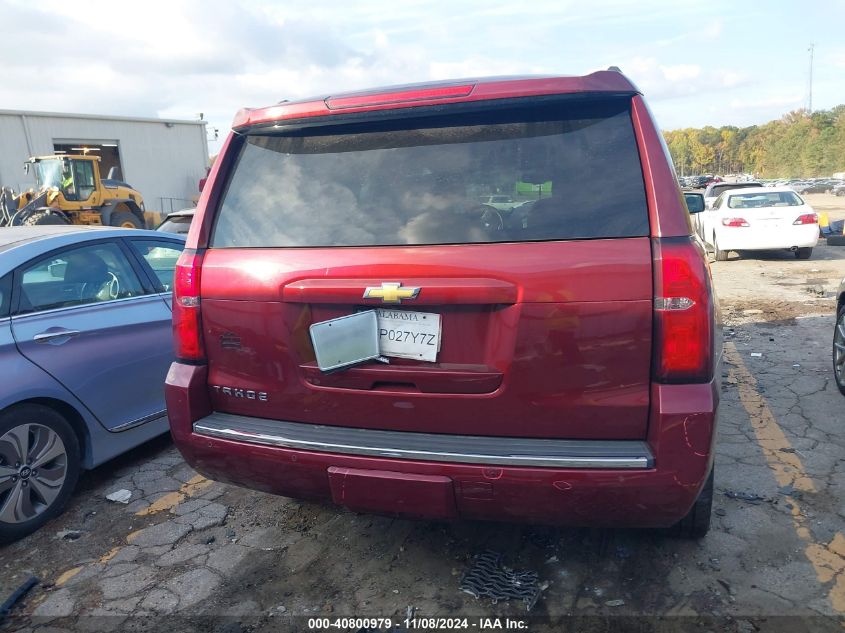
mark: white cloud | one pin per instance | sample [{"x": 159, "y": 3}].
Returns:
[
  {"x": 175, "y": 58},
  {"x": 660, "y": 81},
  {"x": 712, "y": 30},
  {"x": 782, "y": 102},
  {"x": 681, "y": 72}
]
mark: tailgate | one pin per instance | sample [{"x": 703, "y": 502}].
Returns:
[{"x": 538, "y": 339}]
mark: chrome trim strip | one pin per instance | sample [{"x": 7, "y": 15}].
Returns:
[
  {"x": 91, "y": 304},
  {"x": 500, "y": 451},
  {"x": 131, "y": 425}
]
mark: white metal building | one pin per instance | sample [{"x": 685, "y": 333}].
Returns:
[{"x": 163, "y": 159}]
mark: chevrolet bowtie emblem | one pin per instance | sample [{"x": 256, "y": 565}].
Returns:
[{"x": 390, "y": 292}]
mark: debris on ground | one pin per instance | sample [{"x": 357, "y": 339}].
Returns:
[
  {"x": 756, "y": 355},
  {"x": 488, "y": 577},
  {"x": 751, "y": 497},
  {"x": 68, "y": 535},
  {"x": 614, "y": 603},
  {"x": 120, "y": 496},
  {"x": 16, "y": 595}
]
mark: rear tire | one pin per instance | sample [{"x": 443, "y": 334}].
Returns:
[
  {"x": 51, "y": 460},
  {"x": 126, "y": 220},
  {"x": 718, "y": 254},
  {"x": 696, "y": 523},
  {"x": 804, "y": 253},
  {"x": 41, "y": 218}
]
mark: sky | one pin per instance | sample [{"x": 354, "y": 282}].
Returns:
[{"x": 720, "y": 62}]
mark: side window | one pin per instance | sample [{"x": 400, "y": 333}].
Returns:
[
  {"x": 161, "y": 255},
  {"x": 5, "y": 295},
  {"x": 88, "y": 274},
  {"x": 718, "y": 202}
]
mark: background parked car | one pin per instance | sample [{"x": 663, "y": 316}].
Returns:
[
  {"x": 760, "y": 218},
  {"x": 821, "y": 186},
  {"x": 178, "y": 222},
  {"x": 714, "y": 190},
  {"x": 85, "y": 343}
]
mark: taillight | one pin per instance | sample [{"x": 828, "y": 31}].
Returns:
[
  {"x": 683, "y": 312},
  {"x": 187, "y": 324},
  {"x": 807, "y": 218},
  {"x": 734, "y": 222}
]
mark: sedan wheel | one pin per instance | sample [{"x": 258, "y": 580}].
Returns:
[
  {"x": 719, "y": 254},
  {"x": 839, "y": 350},
  {"x": 39, "y": 466}
]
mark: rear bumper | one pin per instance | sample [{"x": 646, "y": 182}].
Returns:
[
  {"x": 651, "y": 484},
  {"x": 745, "y": 239}
]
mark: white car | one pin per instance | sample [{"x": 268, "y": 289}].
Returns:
[{"x": 760, "y": 218}]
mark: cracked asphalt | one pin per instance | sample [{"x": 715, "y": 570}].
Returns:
[{"x": 185, "y": 548}]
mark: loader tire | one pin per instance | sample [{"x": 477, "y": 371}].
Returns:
[
  {"x": 44, "y": 217},
  {"x": 126, "y": 220}
]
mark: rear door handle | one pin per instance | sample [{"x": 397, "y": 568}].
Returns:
[{"x": 47, "y": 337}]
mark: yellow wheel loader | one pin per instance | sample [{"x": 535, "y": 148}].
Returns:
[{"x": 69, "y": 190}]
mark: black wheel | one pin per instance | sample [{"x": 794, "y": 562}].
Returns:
[
  {"x": 804, "y": 253},
  {"x": 839, "y": 350},
  {"x": 39, "y": 467},
  {"x": 697, "y": 521},
  {"x": 44, "y": 217},
  {"x": 126, "y": 220},
  {"x": 718, "y": 254}
]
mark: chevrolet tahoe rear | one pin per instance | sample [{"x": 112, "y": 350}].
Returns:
[{"x": 554, "y": 362}]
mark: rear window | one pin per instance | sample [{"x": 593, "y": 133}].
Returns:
[
  {"x": 775, "y": 199},
  {"x": 180, "y": 225},
  {"x": 718, "y": 189},
  {"x": 571, "y": 170}
]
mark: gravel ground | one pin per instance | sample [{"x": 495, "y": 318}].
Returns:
[{"x": 188, "y": 553}]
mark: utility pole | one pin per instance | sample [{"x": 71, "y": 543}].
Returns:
[{"x": 810, "y": 105}]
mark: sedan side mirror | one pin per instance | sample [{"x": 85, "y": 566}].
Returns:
[{"x": 695, "y": 202}]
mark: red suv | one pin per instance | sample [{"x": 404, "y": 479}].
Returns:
[{"x": 552, "y": 363}]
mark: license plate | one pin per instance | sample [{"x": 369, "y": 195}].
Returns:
[
  {"x": 406, "y": 334},
  {"x": 345, "y": 341}
]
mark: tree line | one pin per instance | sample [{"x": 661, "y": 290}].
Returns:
[{"x": 798, "y": 145}]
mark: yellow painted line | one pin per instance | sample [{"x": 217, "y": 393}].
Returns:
[
  {"x": 787, "y": 466},
  {"x": 195, "y": 486},
  {"x": 107, "y": 557},
  {"x": 828, "y": 560},
  {"x": 70, "y": 573},
  {"x": 192, "y": 488},
  {"x": 133, "y": 535}
]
